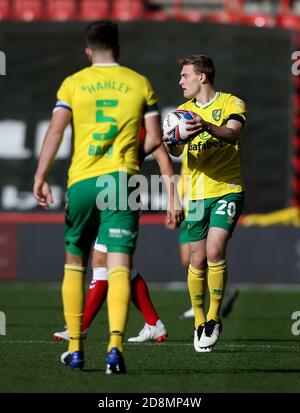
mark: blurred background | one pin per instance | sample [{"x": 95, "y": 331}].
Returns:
[{"x": 252, "y": 44}]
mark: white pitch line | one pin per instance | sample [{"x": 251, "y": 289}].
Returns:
[{"x": 169, "y": 344}]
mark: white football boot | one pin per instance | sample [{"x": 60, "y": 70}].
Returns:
[
  {"x": 197, "y": 336},
  {"x": 210, "y": 335},
  {"x": 64, "y": 335},
  {"x": 156, "y": 333}
]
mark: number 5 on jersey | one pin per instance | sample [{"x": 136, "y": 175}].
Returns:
[{"x": 101, "y": 118}]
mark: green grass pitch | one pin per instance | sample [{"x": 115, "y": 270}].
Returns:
[{"x": 256, "y": 351}]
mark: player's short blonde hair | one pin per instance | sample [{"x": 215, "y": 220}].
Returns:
[{"x": 202, "y": 64}]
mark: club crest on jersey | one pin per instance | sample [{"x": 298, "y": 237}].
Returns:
[
  {"x": 204, "y": 136},
  {"x": 216, "y": 114}
]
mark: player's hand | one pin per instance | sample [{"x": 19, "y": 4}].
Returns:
[
  {"x": 42, "y": 193},
  {"x": 165, "y": 139},
  {"x": 174, "y": 218},
  {"x": 196, "y": 125}
]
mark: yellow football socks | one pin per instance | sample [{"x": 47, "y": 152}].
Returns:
[
  {"x": 216, "y": 279},
  {"x": 73, "y": 300},
  {"x": 118, "y": 299},
  {"x": 197, "y": 288}
]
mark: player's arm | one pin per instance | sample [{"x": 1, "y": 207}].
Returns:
[
  {"x": 52, "y": 141},
  {"x": 174, "y": 213},
  {"x": 229, "y": 133},
  {"x": 153, "y": 134}
]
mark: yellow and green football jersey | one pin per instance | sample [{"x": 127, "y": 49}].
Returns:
[
  {"x": 108, "y": 104},
  {"x": 214, "y": 164}
]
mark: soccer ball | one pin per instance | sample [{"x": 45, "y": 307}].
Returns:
[{"x": 174, "y": 126}]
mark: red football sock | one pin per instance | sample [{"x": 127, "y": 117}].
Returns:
[
  {"x": 141, "y": 299},
  {"x": 95, "y": 298}
]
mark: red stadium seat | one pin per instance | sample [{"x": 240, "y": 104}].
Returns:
[
  {"x": 289, "y": 21},
  {"x": 4, "y": 9},
  {"x": 159, "y": 15},
  {"x": 296, "y": 100},
  {"x": 61, "y": 10},
  {"x": 94, "y": 9},
  {"x": 128, "y": 9},
  {"x": 224, "y": 17},
  {"x": 296, "y": 123},
  {"x": 259, "y": 20},
  {"x": 189, "y": 16},
  {"x": 27, "y": 10}
]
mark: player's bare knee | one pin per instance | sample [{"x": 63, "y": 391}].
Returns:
[
  {"x": 198, "y": 261},
  {"x": 215, "y": 254},
  {"x": 99, "y": 259}
]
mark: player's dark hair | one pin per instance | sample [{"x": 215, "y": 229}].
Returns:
[
  {"x": 103, "y": 35},
  {"x": 202, "y": 64}
]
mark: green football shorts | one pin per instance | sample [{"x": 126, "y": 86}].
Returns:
[
  {"x": 221, "y": 212},
  {"x": 98, "y": 208}
]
